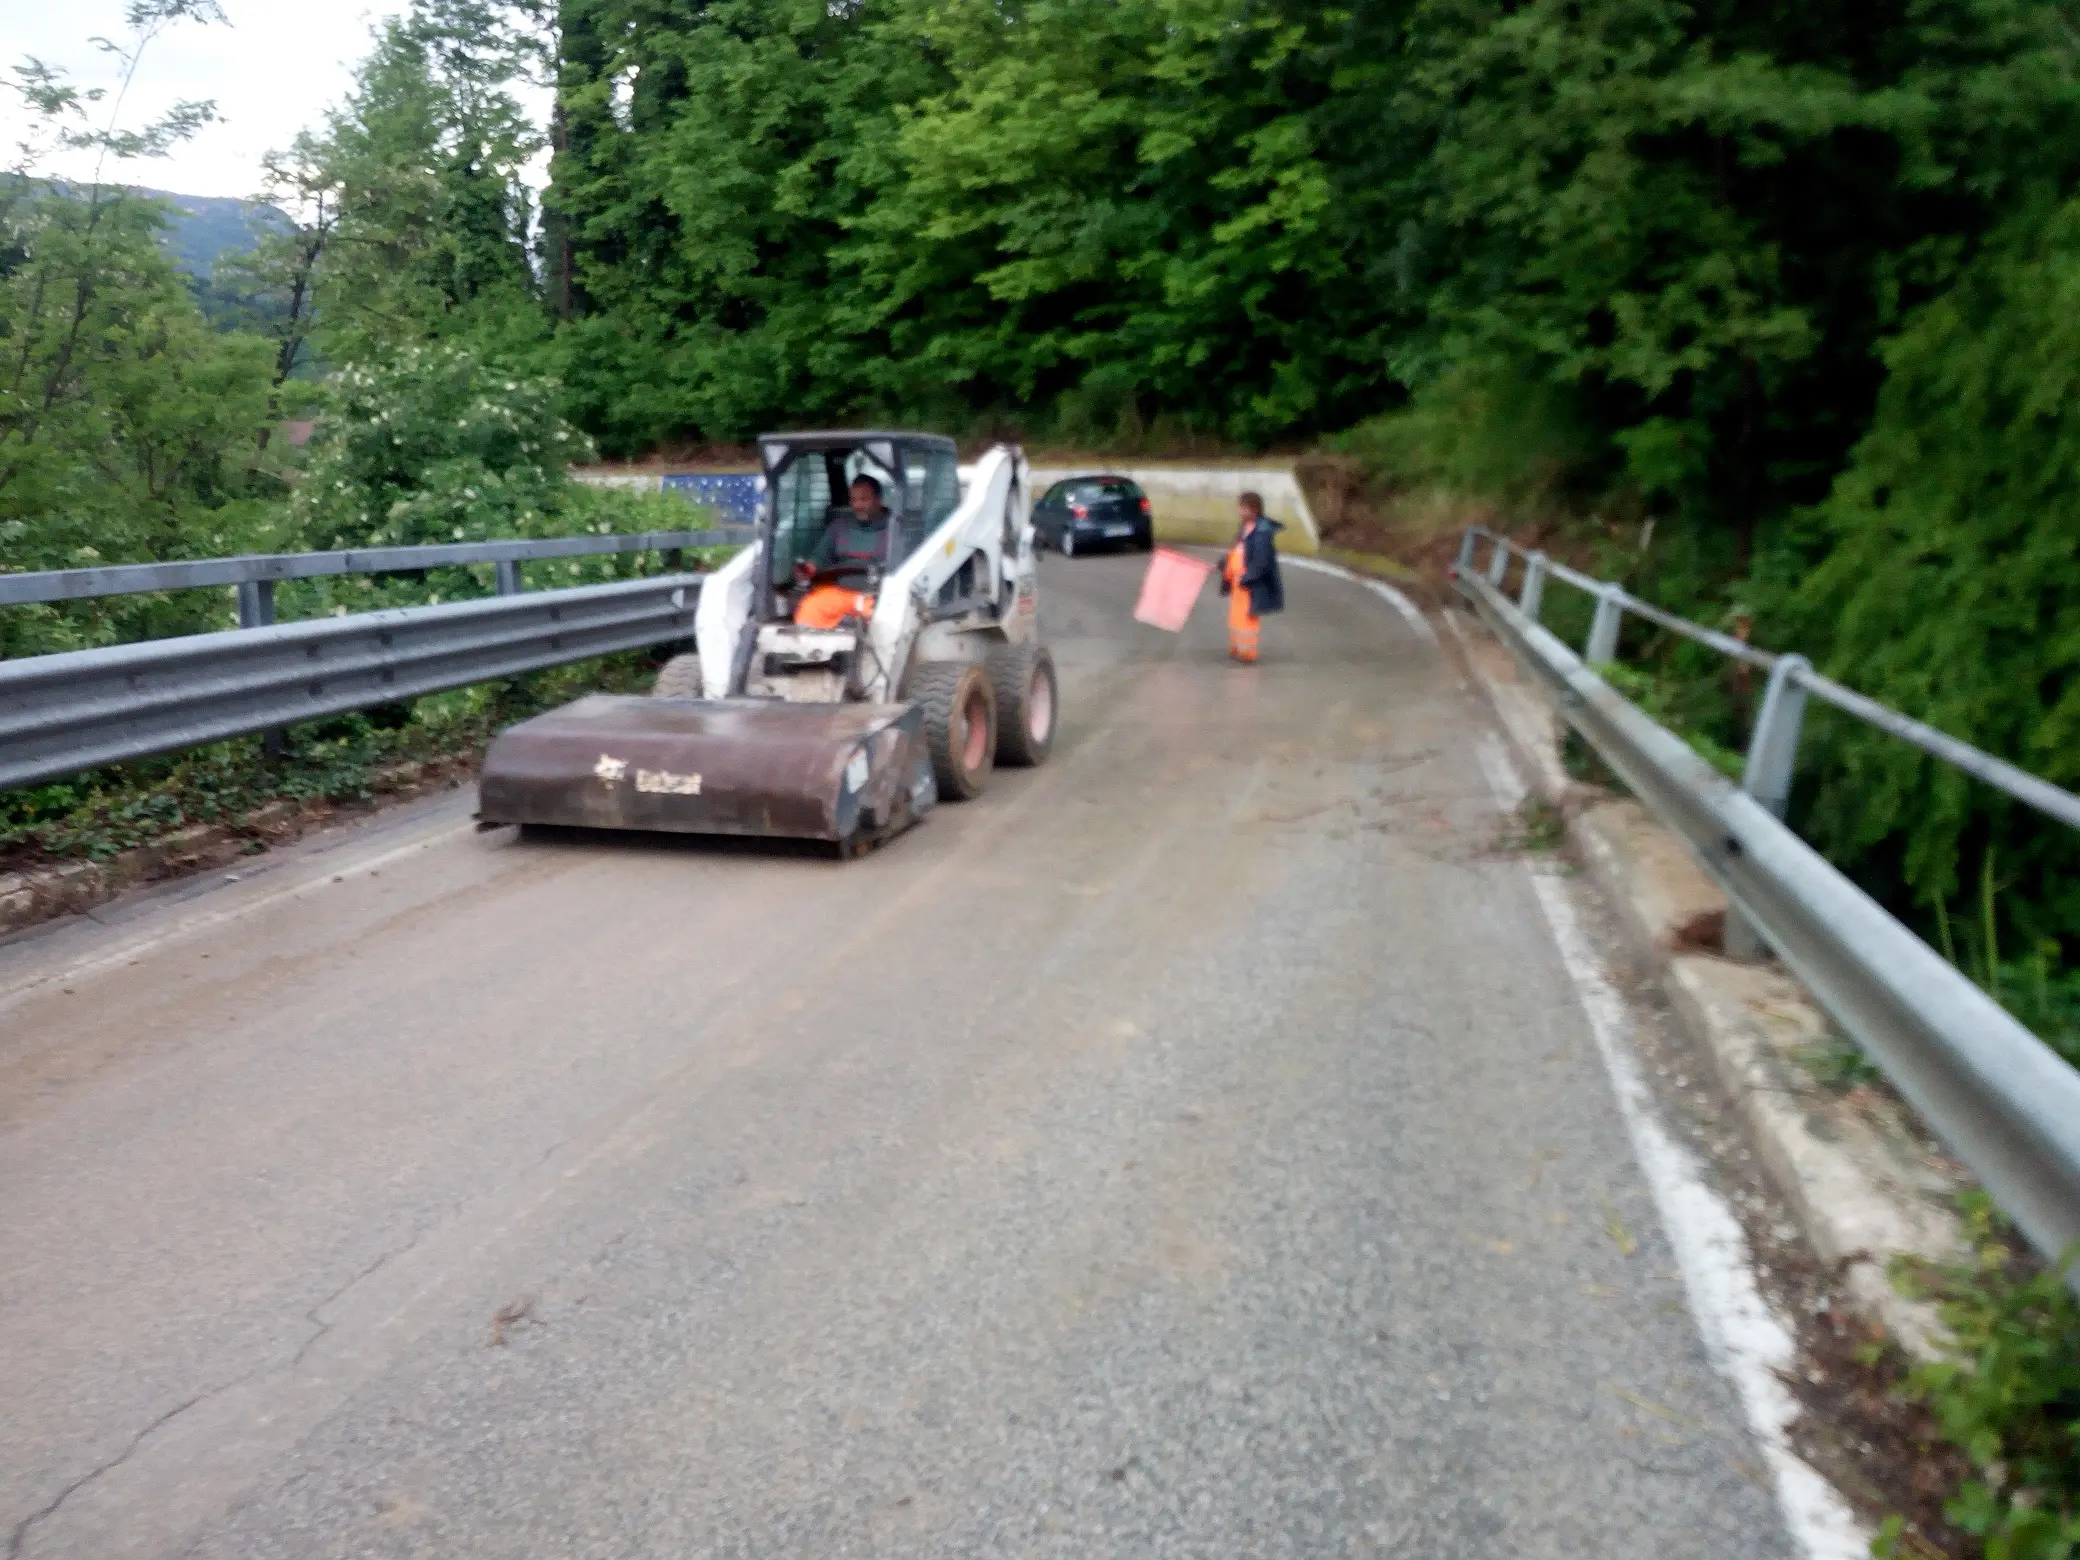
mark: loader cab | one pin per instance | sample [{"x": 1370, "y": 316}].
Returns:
[{"x": 808, "y": 479}]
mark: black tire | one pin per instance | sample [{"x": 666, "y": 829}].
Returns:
[
  {"x": 1068, "y": 548},
  {"x": 958, "y": 702},
  {"x": 679, "y": 678},
  {"x": 1028, "y": 703}
]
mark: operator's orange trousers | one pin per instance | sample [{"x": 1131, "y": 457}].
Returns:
[
  {"x": 828, "y": 606},
  {"x": 1242, "y": 623}
]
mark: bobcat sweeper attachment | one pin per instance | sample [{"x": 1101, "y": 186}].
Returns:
[{"x": 875, "y": 649}]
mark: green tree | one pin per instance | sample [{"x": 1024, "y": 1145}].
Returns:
[
  {"x": 1951, "y": 584},
  {"x": 413, "y": 222},
  {"x": 712, "y": 156},
  {"x": 1690, "y": 226},
  {"x": 129, "y": 429}
]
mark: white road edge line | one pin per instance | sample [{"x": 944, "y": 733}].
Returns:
[
  {"x": 1452, "y": 623},
  {"x": 1747, "y": 1341},
  {"x": 329, "y": 873},
  {"x": 1380, "y": 588}
]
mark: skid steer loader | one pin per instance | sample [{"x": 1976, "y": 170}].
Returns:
[{"x": 827, "y": 699}]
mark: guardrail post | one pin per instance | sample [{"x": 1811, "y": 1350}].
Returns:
[
  {"x": 509, "y": 577},
  {"x": 255, "y": 603},
  {"x": 1773, "y": 745},
  {"x": 256, "y": 610},
  {"x": 1467, "y": 541},
  {"x": 1498, "y": 566},
  {"x": 1603, "y": 629},
  {"x": 1772, "y": 757},
  {"x": 1534, "y": 586}
]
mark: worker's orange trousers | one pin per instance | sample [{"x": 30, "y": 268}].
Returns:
[
  {"x": 1242, "y": 623},
  {"x": 829, "y": 605}
]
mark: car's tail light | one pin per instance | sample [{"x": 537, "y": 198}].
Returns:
[
  {"x": 1080, "y": 511},
  {"x": 1144, "y": 506}
]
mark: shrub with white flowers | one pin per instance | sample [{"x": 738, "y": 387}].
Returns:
[{"x": 435, "y": 445}]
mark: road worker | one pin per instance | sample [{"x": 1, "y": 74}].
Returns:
[
  {"x": 853, "y": 547},
  {"x": 1249, "y": 577}
]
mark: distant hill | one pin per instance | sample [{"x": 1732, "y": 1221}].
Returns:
[
  {"x": 202, "y": 227},
  {"x": 206, "y": 226}
]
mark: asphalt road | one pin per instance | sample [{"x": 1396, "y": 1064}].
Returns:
[{"x": 1193, "y": 1148}]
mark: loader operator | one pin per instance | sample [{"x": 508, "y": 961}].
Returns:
[{"x": 852, "y": 544}]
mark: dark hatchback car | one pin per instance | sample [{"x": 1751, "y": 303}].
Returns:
[{"x": 1085, "y": 513}]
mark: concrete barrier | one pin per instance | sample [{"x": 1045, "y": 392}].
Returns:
[
  {"x": 1197, "y": 503},
  {"x": 632, "y": 481}
]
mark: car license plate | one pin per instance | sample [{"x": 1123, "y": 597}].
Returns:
[{"x": 1119, "y": 530}]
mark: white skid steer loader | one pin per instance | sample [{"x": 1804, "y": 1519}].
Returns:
[{"x": 863, "y": 658}]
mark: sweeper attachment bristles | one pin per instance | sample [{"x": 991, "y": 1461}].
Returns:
[{"x": 851, "y": 773}]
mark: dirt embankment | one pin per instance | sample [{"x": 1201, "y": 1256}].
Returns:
[{"x": 1411, "y": 533}]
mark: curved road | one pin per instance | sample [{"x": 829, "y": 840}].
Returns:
[{"x": 1194, "y": 1148}]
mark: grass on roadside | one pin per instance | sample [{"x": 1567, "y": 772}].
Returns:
[{"x": 1536, "y": 825}]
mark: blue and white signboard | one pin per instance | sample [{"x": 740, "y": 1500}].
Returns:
[{"x": 733, "y": 496}]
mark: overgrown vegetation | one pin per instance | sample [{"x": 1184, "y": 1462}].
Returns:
[
  {"x": 2008, "y": 1398},
  {"x": 1537, "y": 825}
]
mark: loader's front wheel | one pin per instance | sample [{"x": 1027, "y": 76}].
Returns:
[
  {"x": 679, "y": 678},
  {"x": 960, "y": 725},
  {"x": 1027, "y": 698}
]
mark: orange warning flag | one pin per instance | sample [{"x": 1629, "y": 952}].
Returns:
[{"x": 1170, "y": 588}]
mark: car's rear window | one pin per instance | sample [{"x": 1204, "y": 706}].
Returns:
[{"x": 1085, "y": 492}]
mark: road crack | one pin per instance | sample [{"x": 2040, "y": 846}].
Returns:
[
  {"x": 320, "y": 1327},
  {"x": 20, "y": 1535}
]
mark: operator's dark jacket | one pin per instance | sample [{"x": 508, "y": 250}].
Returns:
[{"x": 1267, "y": 592}]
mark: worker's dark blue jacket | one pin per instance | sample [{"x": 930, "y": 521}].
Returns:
[{"x": 1267, "y": 592}]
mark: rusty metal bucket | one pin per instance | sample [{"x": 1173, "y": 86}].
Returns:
[{"x": 843, "y": 772}]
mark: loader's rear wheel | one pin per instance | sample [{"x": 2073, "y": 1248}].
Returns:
[
  {"x": 1027, "y": 699},
  {"x": 679, "y": 678},
  {"x": 960, "y": 726}
]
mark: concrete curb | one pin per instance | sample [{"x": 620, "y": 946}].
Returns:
[
  {"x": 41, "y": 894},
  {"x": 36, "y": 895},
  {"x": 1852, "y": 1165}
]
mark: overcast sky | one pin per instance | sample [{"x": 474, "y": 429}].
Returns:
[{"x": 273, "y": 71}]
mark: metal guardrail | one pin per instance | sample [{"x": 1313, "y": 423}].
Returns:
[
  {"x": 2005, "y": 1103},
  {"x": 61, "y": 714},
  {"x": 257, "y": 573},
  {"x": 1774, "y": 746}
]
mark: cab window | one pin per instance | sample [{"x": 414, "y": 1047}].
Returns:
[
  {"x": 942, "y": 487},
  {"x": 932, "y": 492},
  {"x": 802, "y": 503}
]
